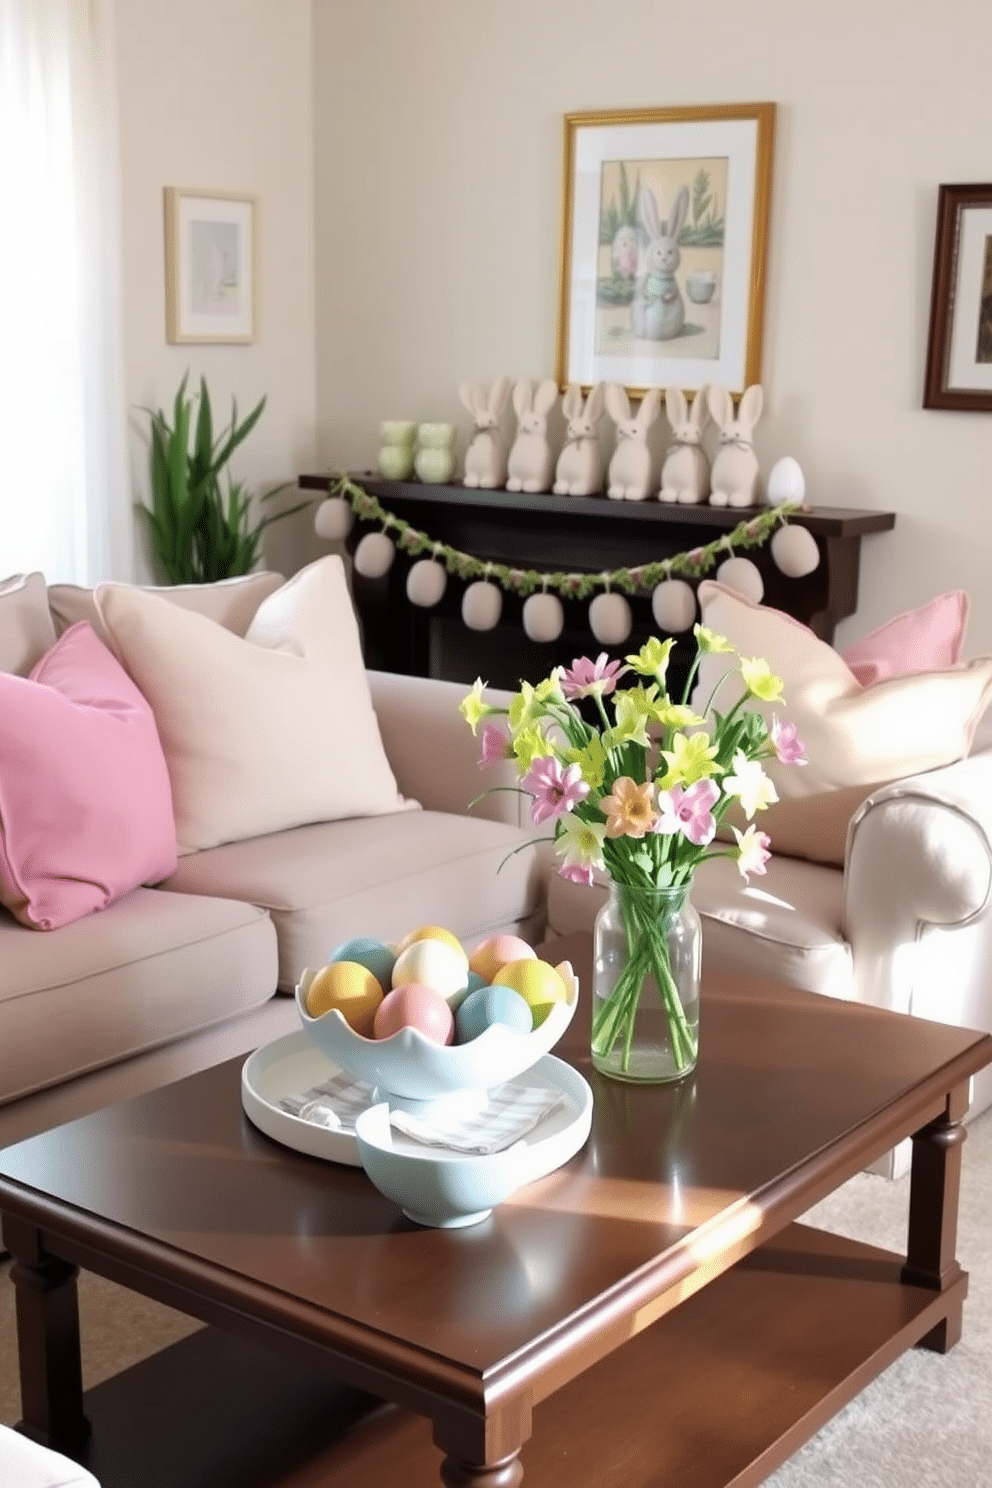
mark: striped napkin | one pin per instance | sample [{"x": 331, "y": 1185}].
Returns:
[{"x": 493, "y": 1122}]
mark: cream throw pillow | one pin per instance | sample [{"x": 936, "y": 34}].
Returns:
[
  {"x": 231, "y": 602},
  {"x": 854, "y": 735},
  {"x": 260, "y": 734}
]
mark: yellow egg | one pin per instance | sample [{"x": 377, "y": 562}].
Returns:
[
  {"x": 495, "y": 952},
  {"x": 350, "y": 988},
  {"x": 538, "y": 984},
  {"x": 434, "y": 964},
  {"x": 430, "y": 932}
]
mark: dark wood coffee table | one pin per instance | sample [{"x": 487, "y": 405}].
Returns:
[{"x": 650, "y": 1313}]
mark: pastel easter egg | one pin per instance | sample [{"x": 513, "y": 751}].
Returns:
[
  {"x": 744, "y": 577},
  {"x": 543, "y": 618},
  {"x": 374, "y": 555},
  {"x": 426, "y": 583},
  {"x": 333, "y": 519},
  {"x": 488, "y": 1005},
  {"x": 491, "y": 954},
  {"x": 350, "y": 988},
  {"x": 435, "y": 964},
  {"x": 429, "y": 932},
  {"x": 379, "y": 959},
  {"x": 786, "y": 482},
  {"x": 610, "y": 619},
  {"x": 794, "y": 551},
  {"x": 482, "y": 605},
  {"x": 673, "y": 605},
  {"x": 415, "y": 1006},
  {"x": 538, "y": 984}
]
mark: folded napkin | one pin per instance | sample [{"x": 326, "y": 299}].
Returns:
[
  {"x": 481, "y": 1122},
  {"x": 505, "y": 1114}
]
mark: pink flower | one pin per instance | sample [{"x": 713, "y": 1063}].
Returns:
[
  {"x": 752, "y": 847},
  {"x": 689, "y": 811},
  {"x": 495, "y": 744},
  {"x": 586, "y": 678},
  {"x": 555, "y": 791},
  {"x": 788, "y": 746},
  {"x": 580, "y": 873}
]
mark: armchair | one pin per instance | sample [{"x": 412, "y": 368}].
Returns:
[{"x": 905, "y": 922}]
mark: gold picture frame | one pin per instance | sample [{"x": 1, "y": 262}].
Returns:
[
  {"x": 210, "y": 266},
  {"x": 625, "y": 313}
]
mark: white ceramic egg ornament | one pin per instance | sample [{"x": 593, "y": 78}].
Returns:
[
  {"x": 610, "y": 619},
  {"x": 426, "y": 583},
  {"x": 785, "y": 482},
  {"x": 543, "y": 617},
  {"x": 333, "y": 519},
  {"x": 374, "y": 555},
  {"x": 741, "y": 575},
  {"x": 794, "y": 551},
  {"x": 482, "y": 605},
  {"x": 673, "y": 605}
]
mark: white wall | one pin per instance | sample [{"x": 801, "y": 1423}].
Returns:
[
  {"x": 217, "y": 94},
  {"x": 438, "y": 212}
]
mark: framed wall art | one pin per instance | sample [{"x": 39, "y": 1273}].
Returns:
[
  {"x": 664, "y": 239},
  {"x": 959, "y": 348},
  {"x": 210, "y": 268}
]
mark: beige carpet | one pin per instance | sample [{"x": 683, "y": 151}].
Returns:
[{"x": 926, "y": 1423}]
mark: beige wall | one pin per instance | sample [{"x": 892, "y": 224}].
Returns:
[
  {"x": 217, "y": 94},
  {"x": 437, "y": 209}
]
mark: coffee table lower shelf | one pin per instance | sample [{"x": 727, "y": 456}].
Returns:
[{"x": 717, "y": 1393}]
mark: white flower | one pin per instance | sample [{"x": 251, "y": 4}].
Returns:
[{"x": 750, "y": 784}]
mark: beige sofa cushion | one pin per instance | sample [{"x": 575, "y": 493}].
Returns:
[
  {"x": 150, "y": 968},
  {"x": 26, "y": 629},
  {"x": 853, "y": 735},
  {"x": 263, "y": 733},
  {"x": 381, "y": 876},
  {"x": 230, "y": 602}
]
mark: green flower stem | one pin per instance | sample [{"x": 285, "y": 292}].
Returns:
[{"x": 645, "y": 935}]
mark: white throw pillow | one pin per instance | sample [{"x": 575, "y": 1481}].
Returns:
[
  {"x": 264, "y": 733},
  {"x": 854, "y": 735},
  {"x": 231, "y": 602}
]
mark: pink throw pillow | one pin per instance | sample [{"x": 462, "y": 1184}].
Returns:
[
  {"x": 85, "y": 802},
  {"x": 926, "y": 639}
]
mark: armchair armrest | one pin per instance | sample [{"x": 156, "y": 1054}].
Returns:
[
  {"x": 431, "y": 748},
  {"x": 918, "y": 894}
]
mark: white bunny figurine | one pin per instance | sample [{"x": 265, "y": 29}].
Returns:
[
  {"x": 629, "y": 475},
  {"x": 485, "y": 458},
  {"x": 685, "y": 474},
  {"x": 531, "y": 464},
  {"x": 734, "y": 480},
  {"x": 579, "y": 471},
  {"x": 657, "y": 311}
]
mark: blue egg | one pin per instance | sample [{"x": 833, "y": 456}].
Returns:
[
  {"x": 372, "y": 954},
  {"x": 487, "y": 1005}
]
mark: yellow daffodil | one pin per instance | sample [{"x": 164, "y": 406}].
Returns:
[
  {"x": 528, "y": 744},
  {"x": 759, "y": 679},
  {"x": 634, "y": 711},
  {"x": 591, "y": 760},
  {"x": 525, "y": 708},
  {"x": 709, "y": 640},
  {"x": 652, "y": 659},
  {"x": 676, "y": 715},
  {"x": 473, "y": 709},
  {"x": 692, "y": 757}
]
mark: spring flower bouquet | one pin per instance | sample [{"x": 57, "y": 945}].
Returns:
[{"x": 636, "y": 786}]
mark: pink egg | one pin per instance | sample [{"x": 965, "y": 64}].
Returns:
[
  {"x": 415, "y": 1006},
  {"x": 499, "y": 951}
]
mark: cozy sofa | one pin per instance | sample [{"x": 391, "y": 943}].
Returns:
[{"x": 170, "y": 977}]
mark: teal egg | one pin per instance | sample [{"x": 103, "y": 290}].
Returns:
[
  {"x": 372, "y": 954},
  {"x": 487, "y": 1005}
]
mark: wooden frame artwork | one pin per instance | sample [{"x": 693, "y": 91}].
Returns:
[
  {"x": 959, "y": 348},
  {"x": 663, "y": 241},
  {"x": 210, "y": 268}
]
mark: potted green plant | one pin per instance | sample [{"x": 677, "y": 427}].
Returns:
[{"x": 201, "y": 531}]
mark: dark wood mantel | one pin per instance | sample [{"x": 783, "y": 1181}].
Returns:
[{"x": 584, "y": 534}]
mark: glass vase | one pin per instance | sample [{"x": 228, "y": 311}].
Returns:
[{"x": 647, "y": 946}]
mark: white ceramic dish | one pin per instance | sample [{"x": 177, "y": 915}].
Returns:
[
  {"x": 409, "y": 1065},
  {"x": 293, "y": 1064},
  {"x": 450, "y": 1190}
]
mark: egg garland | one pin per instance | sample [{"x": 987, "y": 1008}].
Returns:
[{"x": 429, "y": 983}]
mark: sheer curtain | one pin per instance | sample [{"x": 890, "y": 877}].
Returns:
[{"x": 64, "y": 504}]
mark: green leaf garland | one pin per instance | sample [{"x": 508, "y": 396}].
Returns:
[{"x": 752, "y": 532}]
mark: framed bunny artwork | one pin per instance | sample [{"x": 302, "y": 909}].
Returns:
[
  {"x": 664, "y": 237},
  {"x": 959, "y": 348}
]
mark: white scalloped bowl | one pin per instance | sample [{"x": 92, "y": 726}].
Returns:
[{"x": 413, "y": 1067}]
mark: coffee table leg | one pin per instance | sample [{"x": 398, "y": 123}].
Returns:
[
  {"x": 935, "y": 1188},
  {"x": 504, "y": 1474},
  {"x": 48, "y": 1342}
]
